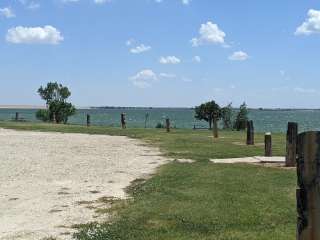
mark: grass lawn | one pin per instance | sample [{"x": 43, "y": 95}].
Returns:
[{"x": 199, "y": 200}]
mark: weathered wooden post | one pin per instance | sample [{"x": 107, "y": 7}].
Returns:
[
  {"x": 308, "y": 192},
  {"x": 292, "y": 136},
  {"x": 123, "y": 121},
  {"x": 250, "y": 133},
  {"x": 268, "y": 144},
  {"x": 88, "y": 120},
  {"x": 168, "y": 124},
  {"x": 17, "y": 116},
  {"x": 215, "y": 128}
]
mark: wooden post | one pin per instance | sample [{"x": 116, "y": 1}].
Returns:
[
  {"x": 268, "y": 145},
  {"x": 88, "y": 120},
  {"x": 215, "y": 128},
  {"x": 292, "y": 135},
  {"x": 17, "y": 116},
  {"x": 250, "y": 133},
  {"x": 123, "y": 121},
  {"x": 308, "y": 194},
  {"x": 168, "y": 124}
]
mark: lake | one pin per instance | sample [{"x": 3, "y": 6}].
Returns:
[{"x": 264, "y": 120}]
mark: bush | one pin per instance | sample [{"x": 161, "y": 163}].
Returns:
[
  {"x": 159, "y": 125},
  {"x": 43, "y": 115}
]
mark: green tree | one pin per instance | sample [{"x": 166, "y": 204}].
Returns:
[
  {"x": 242, "y": 118},
  {"x": 226, "y": 115},
  {"x": 208, "y": 112},
  {"x": 58, "y": 109}
]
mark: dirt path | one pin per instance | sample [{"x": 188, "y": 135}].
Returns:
[{"x": 45, "y": 176}]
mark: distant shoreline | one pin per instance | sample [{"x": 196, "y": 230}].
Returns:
[
  {"x": 32, "y": 107},
  {"x": 21, "y": 107}
]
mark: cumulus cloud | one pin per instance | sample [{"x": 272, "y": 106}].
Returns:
[
  {"x": 197, "y": 59},
  {"x": 140, "y": 49},
  {"x": 311, "y": 24},
  {"x": 239, "y": 56},
  {"x": 185, "y": 2},
  {"x": 30, "y": 35},
  {"x": 169, "y": 60},
  {"x": 7, "y": 12},
  {"x": 167, "y": 75},
  {"x": 101, "y": 1},
  {"x": 209, "y": 33},
  {"x": 144, "y": 78}
]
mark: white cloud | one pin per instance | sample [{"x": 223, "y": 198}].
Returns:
[
  {"x": 140, "y": 49},
  {"x": 70, "y": 1},
  {"x": 197, "y": 59},
  {"x": 101, "y": 1},
  {"x": 167, "y": 75},
  {"x": 144, "y": 78},
  {"x": 29, "y": 35},
  {"x": 209, "y": 33},
  {"x": 239, "y": 56},
  {"x": 169, "y": 60},
  {"x": 311, "y": 24},
  {"x": 7, "y": 12},
  {"x": 185, "y": 2},
  {"x": 130, "y": 41},
  {"x": 305, "y": 90}
]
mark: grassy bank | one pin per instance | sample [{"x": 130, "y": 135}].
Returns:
[
  {"x": 180, "y": 143},
  {"x": 200, "y": 200}
]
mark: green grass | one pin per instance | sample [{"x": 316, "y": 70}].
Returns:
[{"x": 201, "y": 200}]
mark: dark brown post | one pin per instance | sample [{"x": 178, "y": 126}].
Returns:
[
  {"x": 250, "y": 133},
  {"x": 168, "y": 124},
  {"x": 268, "y": 145},
  {"x": 308, "y": 194},
  {"x": 292, "y": 136},
  {"x": 123, "y": 121},
  {"x": 215, "y": 128},
  {"x": 88, "y": 120},
  {"x": 17, "y": 116}
]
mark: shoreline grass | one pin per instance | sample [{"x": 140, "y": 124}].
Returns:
[{"x": 201, "y": 200}]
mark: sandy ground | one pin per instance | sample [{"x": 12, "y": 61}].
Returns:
[{"x": 45, "y": 176}]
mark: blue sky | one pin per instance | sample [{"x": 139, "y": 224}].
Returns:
[{"x": 162, "y": 53}]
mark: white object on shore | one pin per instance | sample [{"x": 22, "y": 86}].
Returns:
[{"x": 256, "y": 159}]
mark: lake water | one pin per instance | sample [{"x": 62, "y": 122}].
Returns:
[{"x": 264, "y": 120}]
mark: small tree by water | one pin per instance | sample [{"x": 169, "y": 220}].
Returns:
[
  {"x": 208, "y": 112},
  {"x": 58, "y": 109},
  {"x": 242, "y": 118},
  {"x": 226, "y": 115}
]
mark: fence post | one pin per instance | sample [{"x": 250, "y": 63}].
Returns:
[
  {"x": 250, "y": 133},
  {"x": 168, "y": 124},
  {"x": 88, "y": 120},
  {"x": 308, "y": 194},
  {"x": 215, "y": 128},
  {"x": 292, "y": 135},
  {"x": 17, "y": 116},
  {"x": 268, "y": 144},
  {"x": 123, "y": 121}
]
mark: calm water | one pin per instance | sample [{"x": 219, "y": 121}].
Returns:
[{"x": 264, "y": 120}]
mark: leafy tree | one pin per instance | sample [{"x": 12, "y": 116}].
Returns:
[
  {"x": 226, "y": 115},
  {"x": 208, "y": 112},
  {"x": 242, "y": 118},
  {"x": 58, "y": 109}
]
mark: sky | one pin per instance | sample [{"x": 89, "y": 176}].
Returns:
[{"x": 162, "y": 53}]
